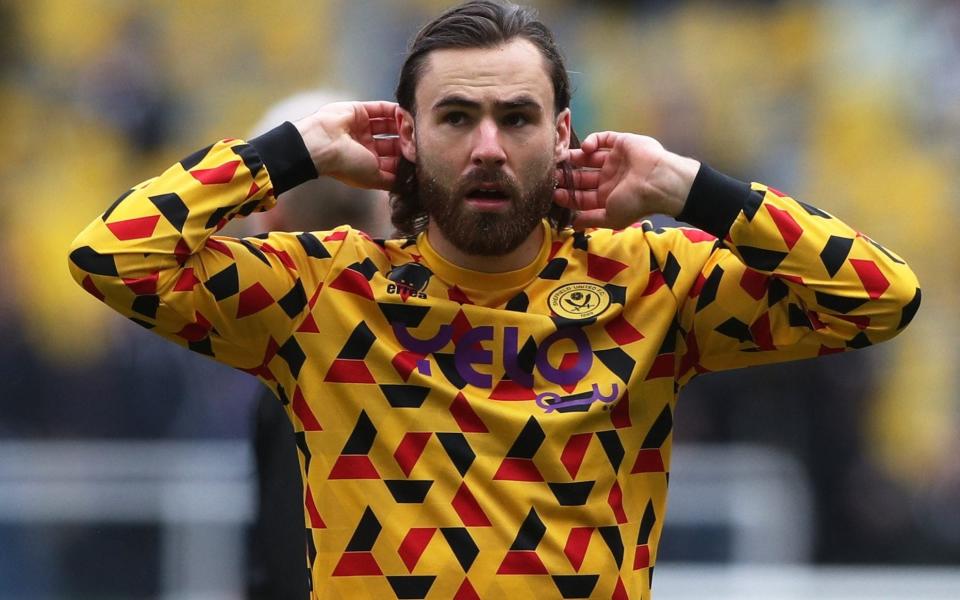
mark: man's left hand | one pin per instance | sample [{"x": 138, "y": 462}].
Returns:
[{"x": 619, "y": 178}]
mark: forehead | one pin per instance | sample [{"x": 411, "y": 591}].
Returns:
[{"x": 486, "y": 74}]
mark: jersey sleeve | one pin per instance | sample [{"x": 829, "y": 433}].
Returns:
[
  {"x": 783, "y": 281},
  {"x": 153, "y": 255}
]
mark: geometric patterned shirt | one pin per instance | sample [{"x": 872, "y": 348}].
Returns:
[{"x": 475, "y": 435}]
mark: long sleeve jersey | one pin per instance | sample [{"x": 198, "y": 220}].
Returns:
[{"x": 478, "y": 435}]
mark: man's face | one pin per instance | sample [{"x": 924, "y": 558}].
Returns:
[{"x": 486, "y": 144}]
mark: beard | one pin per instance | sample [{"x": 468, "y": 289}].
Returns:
[{"x": 485, "y": 233}]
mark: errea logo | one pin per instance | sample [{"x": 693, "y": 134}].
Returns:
[{"x": 579, "y": 301}]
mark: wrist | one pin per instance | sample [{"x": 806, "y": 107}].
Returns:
[
  {"x": 318, "y": 143},
  {"x": 671, "y": 181}
]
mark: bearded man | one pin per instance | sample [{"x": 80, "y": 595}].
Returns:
[{"x": 483, "y": 405}]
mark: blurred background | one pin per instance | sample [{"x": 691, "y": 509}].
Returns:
[{"x": 125, "y": 462}]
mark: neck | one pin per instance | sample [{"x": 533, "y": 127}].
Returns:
[{"x": 516, "y": 259}]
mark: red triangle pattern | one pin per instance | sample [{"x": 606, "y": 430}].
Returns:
[
  {"x": 252, "y": 300},
  {"x": 468, "y": 508},
  {"x": 641, "y": 560},
  {"x": 871, "y": 277},
  {"x": 654, "y": 283},
  {"x": 576, "y": 547},
  {"x": 134, "y": 229},
  {"x": 522, "y": 562},
  {"x": 790, "y": 230},
  {"x": 409, "y": 450},
  {"x": 404, "y": 362},
  {"x": 467, "y": 419},
  {"x": 92, "y": 289},
  {"x": 357, "y": 563},
  {"x": 143, "y": 286},
  {"x": 303, "y": 412},
  {"x": 309, "y": 325},
  {"x": 353, "y": 466},
  {"x": 697, "y": 286},
  {"x": 754, "y": 283},
  {"x": 697, "y": 235},
  {"x": 196, "y": 331},
  {"x": 662, "y": 367},
  {"x": 353, "y": 282},
  {"x": 761, "y": 332},
  {"x": 620, "y": 413},
  {"x": 187, "y": 281},
  {"x": 517, "y": 469},
  {"x": 312, "y": 513},
  {"x": 459, "y": 296},
  {"x": 215, "y": 244},
  {"x": 620, "y": 591},
  {"x": 622, "y": 332},
  {"x": 414, "y": 544},
  {"x": 603, "y": 268},
  {"x": 283, "y": 255},
  {"x": 222, "y": 174},
  {"x": 615, "y": 500},
  {"x": 508, "y": 389},
  {"x": 181, "y": 251},
  {"x": 574, "y": 451},
  {"x": 649, "y": 460},
  {"x": 347, "y": 370},
  {"x": 336, "y": 236},
  {"x": 466, "y": 591}
]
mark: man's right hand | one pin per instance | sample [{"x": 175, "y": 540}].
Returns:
[{"x": 341, "y": 142}]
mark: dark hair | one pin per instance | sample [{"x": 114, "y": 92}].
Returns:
[{"x": 474, "y": 24}]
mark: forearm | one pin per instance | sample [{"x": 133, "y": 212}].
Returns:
[{"x": 787, "y": 280}]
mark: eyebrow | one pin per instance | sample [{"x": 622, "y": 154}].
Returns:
[{"x": 519, "y": 102}]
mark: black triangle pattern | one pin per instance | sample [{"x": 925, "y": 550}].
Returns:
[
  {"x": 554, "y": 269},
  {"x": 294, "y": 301},
  {"x": 660, "y": 429},
  {"x": 362, "y": 436},
  {"x": 909, "y": 311},
  {"x": 708, "y": 293},
  {"x": 531, "y": 532},
  {"x": 172, "y": 208},
  {"x": 777, "y": 290},
  {"x": 528, "y": 440},
  {"x": 462, "y": 545},
  {"x": 313, "y": 246},
  {"x": 572, "y": 494},
  {"x": 761, "y": 259},
  {"x": 752, "y": 204},
  {"x": 448, "y": 367},
  {"x": 366, "y": 533},
  {"x": 358, "y": 344},
  {"x": 116, "y": 203},
  {"x": 411, "y": 586},
  {"x": 93, "y": 262},
  {"x": 224, "y": 284},
  {"x": 405, "y": 396},
  {"x": 409, "y": 491},
  {"x": 618, "y": 361},
  {"x": 518, "y": 303},
  {"x": 293, "y": 355},
  {"x": 646, "y": 524},
  {"x": 835, "y": 252},
  {"x": 459, "y": 451},
  {"x": 575, "y": 586},
  {"x": 839, "y": 304},
  {"x": 194, "y": 159},
  {"x": 613, "y": 447},
  {"x": 736, "y": 329},
  {"x": 611, "y": 535},
  {"x": 255, "y": 251},
  {"x": 408, "y": 315},
  {"x": 250, "y": 158}
]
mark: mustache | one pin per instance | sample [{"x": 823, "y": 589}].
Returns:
[{"x": 488, "y": 176}]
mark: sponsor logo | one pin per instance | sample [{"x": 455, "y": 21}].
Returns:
[{"x": 578, "y": 301}]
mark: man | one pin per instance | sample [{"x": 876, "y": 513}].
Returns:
[{"x": 484, "y": 408}]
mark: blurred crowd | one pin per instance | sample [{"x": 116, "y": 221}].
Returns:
[{"x": 850, "y": 105}]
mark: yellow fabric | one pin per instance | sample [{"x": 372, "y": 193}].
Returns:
[{"x": 465, "y": 438}]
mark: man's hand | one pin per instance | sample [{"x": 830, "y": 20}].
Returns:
[
  {"x": 619, "y": 178},
  {"x": 340, "y": 139}
]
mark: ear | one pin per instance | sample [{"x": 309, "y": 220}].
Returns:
[
  {"x": 407, "y": 131},
  {"x": 563, "y": 134}
]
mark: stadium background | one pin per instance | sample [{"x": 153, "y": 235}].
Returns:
[{"x": 852, "y": 105}]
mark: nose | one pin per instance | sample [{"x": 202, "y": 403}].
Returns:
[{"x": 487, "y": 150}]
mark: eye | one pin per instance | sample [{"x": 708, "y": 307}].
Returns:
[
  {"x": 515, "y": 120},
  {"x": 455, "y": 118}
]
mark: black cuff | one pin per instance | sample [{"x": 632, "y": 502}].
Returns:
[
  {"x": 286, "y": 157},
  {"x": 714, "y": 202}
]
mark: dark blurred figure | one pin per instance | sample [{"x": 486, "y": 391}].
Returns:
[{"x": 277, "y": 548}]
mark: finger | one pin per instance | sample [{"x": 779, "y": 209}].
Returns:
[
  {"x": 387, "y": 146},
  {"x": 593, "y": 160},
  {"x": 380, "y": 109},
  {"x": 602, "y": 140},
  {"x": 383, "y": 126},
  {"x": 385, "y": 181},
  {"x": 388, "y": 163},
  {"x": 590, "y": 218},
  {"x": 580, "y": 179},
  {"x": 580, "y": 200}
]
